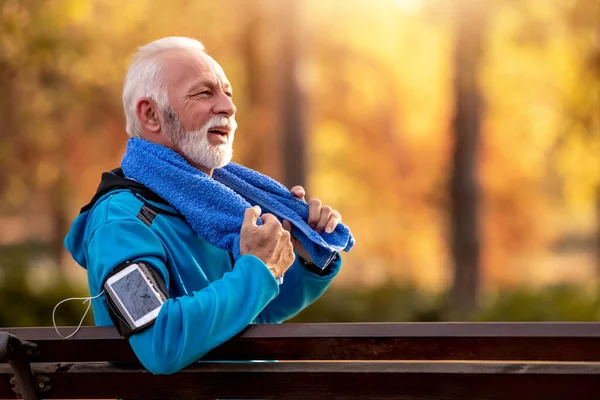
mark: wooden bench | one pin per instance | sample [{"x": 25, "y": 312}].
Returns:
[{"x": 319, "y": 361}]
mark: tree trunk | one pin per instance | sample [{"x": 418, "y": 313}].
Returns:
[
  {"x": 58, "y": 198},
  {"x": 595, "y": 67},
  {"x": 464, "y": 187},
  {"x": 293, "y": 123},
  {"x": 8, "y": 121},
  {"x": 251, "y": 55}
]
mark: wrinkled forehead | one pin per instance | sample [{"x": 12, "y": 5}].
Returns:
[{"x": 181, "y": 70}]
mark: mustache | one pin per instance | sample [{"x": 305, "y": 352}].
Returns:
[{"x": 221, "y": 121}]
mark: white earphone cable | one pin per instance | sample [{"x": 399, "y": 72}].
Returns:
[{"x": 85, "y": 299}]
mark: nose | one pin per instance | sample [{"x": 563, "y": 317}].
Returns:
[{"x": 225, "y": 105}]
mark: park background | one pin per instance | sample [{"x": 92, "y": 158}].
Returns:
[{"x": 458, "y": 138}]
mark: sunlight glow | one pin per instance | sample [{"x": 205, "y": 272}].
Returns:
[{"x": 409, "y": 6}]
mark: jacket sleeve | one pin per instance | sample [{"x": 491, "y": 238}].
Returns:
[
  {"x": 187, "y": 327},
  {"x": 300, "y": 289}
]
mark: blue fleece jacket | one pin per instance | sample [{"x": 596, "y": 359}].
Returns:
[{"x": 211, "y": 300}]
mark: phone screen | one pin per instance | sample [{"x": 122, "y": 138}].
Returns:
[{"x": 135, "y": 294}]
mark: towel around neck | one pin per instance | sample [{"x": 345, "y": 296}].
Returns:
[{"x": 214, "y": 206}]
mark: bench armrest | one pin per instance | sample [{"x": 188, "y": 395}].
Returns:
[{"x": 16, "y": 353}]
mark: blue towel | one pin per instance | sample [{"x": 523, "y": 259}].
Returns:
[{"x": 214, "y": 207}]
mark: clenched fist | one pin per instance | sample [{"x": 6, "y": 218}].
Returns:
[{"x": 269, "y": 242}]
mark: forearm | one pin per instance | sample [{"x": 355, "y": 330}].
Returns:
[{"x": 190, "y": 326}]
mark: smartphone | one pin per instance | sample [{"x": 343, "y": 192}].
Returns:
[{"x": 136, "y": 294}]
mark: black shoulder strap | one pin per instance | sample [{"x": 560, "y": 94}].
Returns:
[{"x": 115, "y": 180}]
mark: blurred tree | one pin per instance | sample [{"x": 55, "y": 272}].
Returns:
[
  {"x": 574, "y": 156},
  {"x": 293, "y": 103},
  {"x": 471, "y": 22},
  {"x": 583, "y": 21},
  {"x": 257, "y": 93},
  {"x": 379, "y": 99},
  {"x": 39, "y": 44}
]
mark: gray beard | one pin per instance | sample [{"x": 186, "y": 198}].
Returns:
[{"x": 195, "y": 145}]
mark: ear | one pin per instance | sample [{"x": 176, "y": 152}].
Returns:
[{"x": 148, "y": 114}]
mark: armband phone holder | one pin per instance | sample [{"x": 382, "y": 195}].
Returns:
[{"x": 135, "y": 293}]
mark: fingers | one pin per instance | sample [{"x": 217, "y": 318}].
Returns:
[
  {"x": 251, "y": 215},
  {"x": 287, "y": 225},
  {"x": 323, "y": 219},
  {"x": 271, "y": 221},
  {"x": 314, "y": 212},
  {"x": 279, "y": 230},
  {"x": 287, "y": 229},
  {"x": 299, "y": 192},
  {"x": 318, "y": 215},
  {"x": 333, "y": 222}
]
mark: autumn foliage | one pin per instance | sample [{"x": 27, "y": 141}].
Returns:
[{"x": 378, "y": 100}]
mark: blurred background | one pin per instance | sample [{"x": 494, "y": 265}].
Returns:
[{"x": 460, "y": 139}]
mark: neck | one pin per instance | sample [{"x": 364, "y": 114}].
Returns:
[{"x": 207, "y": 171}]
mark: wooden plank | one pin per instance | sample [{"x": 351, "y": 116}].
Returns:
[
  {"x": 319, "y": 380},
  {"x": 349, "y": 367},
  {"x": 365, "y": 330},
  {"x": 429, "y": 341}
]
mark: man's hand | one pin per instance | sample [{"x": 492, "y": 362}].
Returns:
[
  {"x": 269, "y": 242},
  {"x": 320, "y": 218}
]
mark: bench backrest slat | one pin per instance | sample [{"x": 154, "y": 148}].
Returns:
[
  {"x": 352, "y": 361},
  {"x": 393, "y": 341},
  {"x": 321, "y": 380}
]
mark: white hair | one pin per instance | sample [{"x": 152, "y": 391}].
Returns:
[{"x": 144, "y": 79}]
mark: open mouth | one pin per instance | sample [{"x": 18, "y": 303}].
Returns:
[{"x": 223, "y": 131}]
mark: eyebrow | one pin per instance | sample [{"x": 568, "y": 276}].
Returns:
[{"x": 210, "y": 84}]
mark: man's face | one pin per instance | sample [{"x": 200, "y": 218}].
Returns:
[{"x": 200, "y": 121}]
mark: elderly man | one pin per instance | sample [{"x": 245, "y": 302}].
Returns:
[{"x": 161, "y": 268}]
